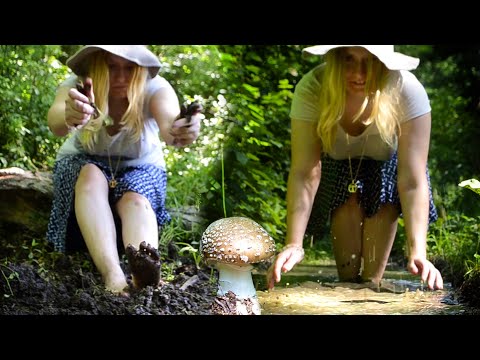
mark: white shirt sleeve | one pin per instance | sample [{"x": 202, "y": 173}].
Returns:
[
  {"x": 414, "y": 98},
  {"x": 305, "y": 103}
]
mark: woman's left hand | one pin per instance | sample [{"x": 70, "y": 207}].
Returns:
[
  {"x": 185, "y": 132},
  {"x": 427, "y": 271}
]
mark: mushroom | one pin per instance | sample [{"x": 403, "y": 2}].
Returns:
[{"x": 232, "y": 245}]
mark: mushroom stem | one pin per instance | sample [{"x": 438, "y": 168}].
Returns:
[{"x": 237, "y": 279}]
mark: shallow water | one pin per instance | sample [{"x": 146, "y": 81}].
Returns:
[{"x": 314, "y": 290}]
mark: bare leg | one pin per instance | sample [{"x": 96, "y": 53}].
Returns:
[
  {"x": 378, "y": 236},
  {"x": 139, "y": 222},
  {"x": 346, "y": 230},
  {"x": 96, "y": 223},
  {"x": 140, "y": 238}
]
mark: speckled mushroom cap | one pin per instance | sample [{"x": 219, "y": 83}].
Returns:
[{"x": 236, "y": 241}]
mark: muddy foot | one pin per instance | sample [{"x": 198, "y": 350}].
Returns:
[{"x": 144, "y": 265}]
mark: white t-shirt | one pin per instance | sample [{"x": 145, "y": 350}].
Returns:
[
  {"x": 148, "y": 150},
  {"x": 413, "y": 100}
]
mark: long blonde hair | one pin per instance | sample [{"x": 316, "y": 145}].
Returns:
[
  {"x": 133, "y": 118},
  {"x": 385, "y": 111}
]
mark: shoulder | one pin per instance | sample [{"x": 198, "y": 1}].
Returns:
[
  {"x": 69, "y": 82},
  {"x": 157, "y": 83},
  {"x": 413, "y": 96},
  {"x": 310, "y": 82},
  {"x": 307, "y": 92},
  {"x": 158, "y": 87},
  {"x": 410, "y": 83}
]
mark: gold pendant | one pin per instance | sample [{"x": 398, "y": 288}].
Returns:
[
  {"x": 112, "y": 183},
  {"x": 352, "y": 187}
]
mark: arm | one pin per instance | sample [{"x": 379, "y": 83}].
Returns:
[
  {"x": 413, "y": 147},
  {"x": 303, "y": 181},
  {"x": 165, "y": 109},
  {"x": 69, "y": 109}
]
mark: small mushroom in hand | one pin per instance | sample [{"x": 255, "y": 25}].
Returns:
[
  {"x": 144, "y": 265},
  {"x": 232, "y": 245}
]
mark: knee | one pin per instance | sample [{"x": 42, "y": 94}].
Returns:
[
  {"x": 349, "y": 268},
  {"x": 133, "y": 200},
  {"x": 89, "y": 179}
]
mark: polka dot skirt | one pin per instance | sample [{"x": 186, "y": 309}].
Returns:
[
  {"x": 147, "y": 180},
  {"x": 377, "y": 185}
]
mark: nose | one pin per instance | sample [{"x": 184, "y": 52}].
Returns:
[
  {"x": 360, "y": 68},
  {"x": 122, "y": 75}
]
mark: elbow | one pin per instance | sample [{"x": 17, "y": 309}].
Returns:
[
  {"x": 308, "y": 177},
  {"x": 53, "y": 124},
  {"x": 407, "y": 184}
]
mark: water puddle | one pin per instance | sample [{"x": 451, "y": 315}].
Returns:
[{"x": 314, "y": 290}]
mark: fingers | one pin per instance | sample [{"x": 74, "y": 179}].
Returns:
[
  {"x": 429, "y": 274},
  {"x": 77, "y": 109},
  {"x": 185, "y": 132},
  {"x": 434, "y": 278},
  {"x": 289, "y": 264},
  {"x": 270, "y": 278},
  {"x": 89, "y": 89},
  {"x": 193, "y": 123},
  {"x": 285, "y": 261}
]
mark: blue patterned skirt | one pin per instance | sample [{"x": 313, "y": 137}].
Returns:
[
  {"x": 147, "y": 180},
  {"x": 377, "y": 185}
]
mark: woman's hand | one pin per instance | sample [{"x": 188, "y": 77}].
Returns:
[
  {"x": 285, "y": 261},
  {"x": 77, "y": 106},
  {"x": 427, "y": 271},
  {"x": 186, "y": 130}
]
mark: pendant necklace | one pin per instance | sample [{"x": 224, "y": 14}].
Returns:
[
  {"x": 353, "y": 187},
  {"x": 113, "y": 182}
]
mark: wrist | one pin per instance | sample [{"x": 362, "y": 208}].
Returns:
[
  {"x": 295, "y": 247},
  {"x": 69, "y": 127}
]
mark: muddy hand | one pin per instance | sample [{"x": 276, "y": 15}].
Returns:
[
  {"x": 144, "y": 265},
  {"x": 186, "y": 128},
  {"x": 86, "y": 89},
  {"x": 188, "y": 111}
]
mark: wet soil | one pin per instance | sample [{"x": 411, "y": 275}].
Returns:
[
  {"x": 76, "y": 292},
  {"x": 34, "y": 281}
]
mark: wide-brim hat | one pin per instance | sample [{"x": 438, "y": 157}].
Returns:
[
  {"x": 138, "y": 54},
  {"x": 385, "y": 53}
]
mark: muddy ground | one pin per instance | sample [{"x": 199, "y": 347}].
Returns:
[{"x": 35, "y": 281}]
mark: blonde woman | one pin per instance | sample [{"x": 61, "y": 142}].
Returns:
[
  {"x": 111, "y": 170},
  {"x": 360, "y": 131}
]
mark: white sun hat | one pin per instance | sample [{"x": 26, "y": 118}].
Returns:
[
  {"x": 139, "y": 54},
  {"x": 385, "y": 53}
]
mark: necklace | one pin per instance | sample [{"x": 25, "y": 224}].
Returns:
[
  {"x": 353, "y": 187},
  {"x": 113, "y": 182}
]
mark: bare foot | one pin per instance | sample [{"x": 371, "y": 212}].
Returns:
[
  {"x": 144, "y": 265},
  {"x": 117, "y": 285}
]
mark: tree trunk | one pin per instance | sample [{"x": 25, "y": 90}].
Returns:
[{"x": 26, "y": 201}]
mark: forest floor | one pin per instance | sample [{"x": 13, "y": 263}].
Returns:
[
  {"x": 37, "y": 281},
  {"x": 34, "y": 281}
]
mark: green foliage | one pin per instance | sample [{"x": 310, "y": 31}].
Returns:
[
  {"x": 29, "y": 75},
  {"x": 240, "y": 163},
  {"x": 472, "y": 184},
  {"x": 473, "y": 267},
  {"x": 259, "y": 87},
  {"x": 192, "y": 250},
  {"x": 12, "y": 275},
  {"x": 453, "y": 240}
]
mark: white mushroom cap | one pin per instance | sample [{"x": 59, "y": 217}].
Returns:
[{"x": 237, "y": 241}]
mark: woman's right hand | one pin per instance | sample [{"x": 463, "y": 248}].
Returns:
[
  {"x": 285, "y": 261},
  {"x": 77, "y": 106}
]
